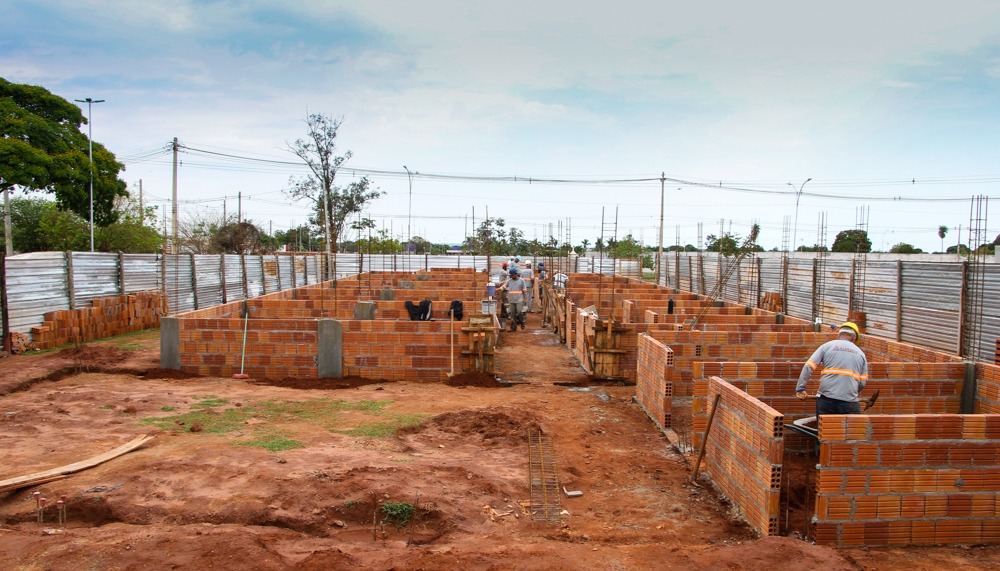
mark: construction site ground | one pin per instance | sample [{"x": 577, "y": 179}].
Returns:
[{"x": 208, "y": 493}]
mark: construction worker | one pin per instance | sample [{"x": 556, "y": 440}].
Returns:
[
  {"x": 844, "y": 373},
  {"x": 529, "y": 295},
  {"x": 515, "y": 287}
]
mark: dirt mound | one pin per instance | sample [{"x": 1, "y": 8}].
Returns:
[
  {"x": 95, "y": 355},
  {"x": 497, "y": 427},
  {"x": 476, "y": 380}
]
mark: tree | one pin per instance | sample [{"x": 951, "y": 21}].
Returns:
[
  {"x": 490, "y": 238},
  {"x": 942, "y": 232},
  {"x": 333, "y": 205},
  {"x": 43, "y": 148},
  {"x": 26, "y": 215},
  {"x": 960, "y": 249},
  {"x": 64, "y": 230},
  {"x": 627, "y": 248},
  {"x": 904, "y": 248},
  {"x": 238, "y": 238},
  {"x": 584, "y": 243},
  {"x": 854, "y": 241},
  {"x": 727, "y": 244}
]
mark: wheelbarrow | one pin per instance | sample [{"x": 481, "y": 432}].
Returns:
[{"x": 810, "y": 426}]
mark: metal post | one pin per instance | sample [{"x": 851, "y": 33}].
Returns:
[
  {"x": 90, "y": 142},
  {"x": 798, "y": 195}
]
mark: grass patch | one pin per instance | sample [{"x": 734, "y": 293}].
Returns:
[
  {"x": 210, "y": 402},
  {"x": 327, "y": 413},
  {"x": 397, "y": 513},
  {"x": 273, "y": 440},
  {"x": 108, "y": 407},
  {"x": 387, "y": 426}
]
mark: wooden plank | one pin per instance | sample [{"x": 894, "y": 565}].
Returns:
[{"x": 56, "y": 473}]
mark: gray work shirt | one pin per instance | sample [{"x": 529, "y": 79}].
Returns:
[
  {"x": 515, "y": 289},
  {"x": 844, "y": 373}
]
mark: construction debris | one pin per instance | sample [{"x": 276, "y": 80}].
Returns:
[{"x": 59, "y": 473}]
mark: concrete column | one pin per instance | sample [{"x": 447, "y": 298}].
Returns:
[
  {"x": 330, "y": 360},
  {"x": 969, "y": 389},
  {"x": 170, "y": 343}
]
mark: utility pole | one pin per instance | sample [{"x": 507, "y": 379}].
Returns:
[
  {"x": 659, "y": 251},
  {"x": 142, "y": 214},
  {"x": 7, "y": 232},
  {"x": 409, "y": 217},
  {"x": 798, "y": 195},
  {"x": 239, "y": 207},
  {"x": 173, "y": 245},
  {"x": 90, "y": 142}
]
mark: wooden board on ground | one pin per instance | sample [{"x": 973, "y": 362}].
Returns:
[{"x": 57, "y": 473}]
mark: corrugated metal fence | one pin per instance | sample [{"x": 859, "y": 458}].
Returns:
[
  {"x": 917, "y": 301},
  {"x": 41, "y": 282}
]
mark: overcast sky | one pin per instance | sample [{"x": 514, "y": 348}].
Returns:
[{"x": 871, "y": 100}]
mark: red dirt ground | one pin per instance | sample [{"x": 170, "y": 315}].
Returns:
[{"x": 191, "y": 499}]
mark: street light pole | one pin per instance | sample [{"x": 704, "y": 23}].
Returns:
[
  {"x": 90, "y": 141},
  {"x": 409, "y": 217},
  {"x": 798, "y": 195}
]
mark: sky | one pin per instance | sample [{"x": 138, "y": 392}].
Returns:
[{"x": 889, "y": 109}]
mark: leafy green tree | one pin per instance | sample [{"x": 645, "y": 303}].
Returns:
[
  {"x": 43, "y": 148},
  {"x": 129, "y": 237},
  {"x": 26, "y": 215},
  {"x": 628, "y": 247},
  {"x": 727, "y": 244},
  {"x": 961, "y": 249},
  {"x": 942, "y": 232},
  {"x": 852, "y": 241},
  {"x": 490, "y": 239},
  {"x": 904, "y": 248},
  {"x": 64, "y": 230},
  {"x": 420, "y": 245},
  {"x": 813, "y": 248},
  {"x": 333, "y": 206}
]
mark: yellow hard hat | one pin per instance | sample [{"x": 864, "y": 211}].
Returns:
[{"x": 852, "y": 328}]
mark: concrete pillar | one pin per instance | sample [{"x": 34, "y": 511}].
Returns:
[
  {"x": 365, "y": 310},
  {"x": 969, "y": 389},
  {"x": 330, "y": 360},
  {"x": 170, "y": 343}
]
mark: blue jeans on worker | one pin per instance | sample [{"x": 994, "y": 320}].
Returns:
[{"x": 827, "y": 405}]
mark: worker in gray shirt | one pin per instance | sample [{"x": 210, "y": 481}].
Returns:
[
  {"x": 515, "y": 287},
  {"x": 529, "y": 278},
  {"x": 844, "y": 373}
]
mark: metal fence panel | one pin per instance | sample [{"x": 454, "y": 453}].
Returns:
[
  {"x": 142, "y": 272},
  {"x": 178, "y": 283},
  {"x": 269, "y": 267},
  {"x": 255, "y": 275},
  {"x": 208, "y": 276},
  {"x": 36, "y": 284},
  {"x": 932, "y": 305},
  {"x": 95, "y": 275},
  {"x": 880, "y": 291},
  {"x": 991, "y": 317},
  {"x": 833, "y": 289},
  {"x": 800, "y": 288}
]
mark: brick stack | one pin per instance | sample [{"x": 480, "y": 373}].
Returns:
[
  {"x": 908, "y": 480},
  {"x": 744, "y": 453},
  {"x": 654, "y": 375},
  {"x": 107, "y": 317}
]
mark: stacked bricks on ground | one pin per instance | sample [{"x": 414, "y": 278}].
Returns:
[
  {"x": 107, "y": 317},
  {"x": 744, "y": 454},
  {"x": 908, "y": 479},
  {"x": 282, "y": 338}
]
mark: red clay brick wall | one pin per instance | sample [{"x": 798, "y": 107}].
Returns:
[
  {"x": 987, "y": 388},
  {"x": 275, "y": 348},
  {"x": 908, "y": 479},
  {"x": 744, "y": 453},
  {"x": 402, "y": 350},
  {"x": 653, "y": 386},
  {"x": 107, "y": 317}
]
